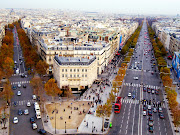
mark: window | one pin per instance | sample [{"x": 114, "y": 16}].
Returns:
[
  {"x": 77, "y": 75},
  {"x": 66, "y": 70},
  {"x": 74, "y": 75},
  {"x": 62, "y": 75},
  {"x": 70, "y": 75},
  {"x": 77, "y": 70},
  {"x": 82, "y": 70},
  {"x": 85, "y": 70},
  {"x": 82, "y": 75},
  {"x": 85, "y": 75},
  {"x": 62, "y": 70},
  {"x": 74, "y": 70},
  {"x": 66, "y": 75},
  {"x": 70, "y": 70}
]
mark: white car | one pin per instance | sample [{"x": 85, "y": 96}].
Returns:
[
  {"x": 144, "y": 113},
  {"x": 129, "y": 94},
  {"x": 34, "y": 126},
  {"x": 34, "y": 97},
  {"x": 28, "y": 104},
  {"x": 26, "y": 112},
  {"x": 136, "y": 78},
  {"x": 149, "y": 107},
  {"x": 15, "y": 62},
  {"x": 19, "y": 85},
  {"x": 19, "y": 93},
  {"x": 15, "y": 120}
]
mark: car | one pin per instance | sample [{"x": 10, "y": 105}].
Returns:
[
  {"x": 34, "y": 126},
  {"x": 134, "y": 96},
  {"x": 19, "y": 93},
  {"x": 135, "y": 78},
  {"x": 161, "y": 115},
  {"x": 149, "y": 90},
  {"x": 106, "y": 124},
  {"x": 150, "y": 123},
  {"x": 152, "y": 91},
  {"x": 22, "y": 76},
  {"x": 149, "y": 112},
  {"x": 34, "y": 97},
  {"x": 26, "y": 76},
  {"x": 19, "y": 85},
  {"x": 26, "y": 112},
  {"x": 32, "y": 120},
  {"x": 24, "y": 86},
  {"x": 149, "y": 107},
  {"x": 15, "y": 62},
  {"x": 42, "y": 131},
  {"x": 28, "y": 104},
  {"x": 14, "y": 87},
  {"x": 15, "y": 103},
  {"x": 157, "y": 92},
  {"x": 20, "y": 112},
  {"x": 144, "y": 113},
  {"x": 151, "y": 129},
  {"x": 160, "y": 110},
  {"x": 154, "y": 110},
  {"x": 144, "y": 108},
  {"x": 150, "y": 119},
  {"x": 129, "y": 94},
  {"x": 144, "y": 89},
  {"x": 15, "y": 120}
]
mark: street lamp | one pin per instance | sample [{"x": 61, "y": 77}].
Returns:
[
  {"x": 65, "y": 126},
  {"x": 92, "y": 126}
]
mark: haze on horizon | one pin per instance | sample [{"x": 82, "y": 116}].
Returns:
[{"x": 165, "y": 7}]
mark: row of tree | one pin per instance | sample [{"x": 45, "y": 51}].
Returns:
[
  {"x": 7, "y": 62},
  {"x": 131, "y": 42},
  {"x": 160, "y": 52}
]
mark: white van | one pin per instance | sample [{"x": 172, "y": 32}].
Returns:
[{"x": 38, "y": 114}]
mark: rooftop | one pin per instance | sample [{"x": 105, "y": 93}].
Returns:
[{"x": 74, "y": 60}]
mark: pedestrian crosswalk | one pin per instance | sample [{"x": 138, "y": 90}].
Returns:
[
  {"x": 21, "y": 82},
  {"x": 139, "y": 85},
  {"x": 17, "y": 74},
  {"x": 23, "y": 102},
  {"x": 131, "y": 101}
]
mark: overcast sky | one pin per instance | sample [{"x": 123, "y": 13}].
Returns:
[{"x": 169, "y": 7}]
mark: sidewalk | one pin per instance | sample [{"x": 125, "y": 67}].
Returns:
[{"x": 5, "y": 131}]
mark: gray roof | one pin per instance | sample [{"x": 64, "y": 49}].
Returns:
[{"x": 74, "y": 60}]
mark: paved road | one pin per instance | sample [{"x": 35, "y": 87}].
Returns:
[
  {"x": 23, "y": 127},
  {"x": 131, "y": 120}
]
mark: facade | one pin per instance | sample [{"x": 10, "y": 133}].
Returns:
[
  {"x": 2, "y": 34},
  {"x": 75, "y": 72},
  {"x": 176, "y": 64},
  {"x": 174, "y": 45}
]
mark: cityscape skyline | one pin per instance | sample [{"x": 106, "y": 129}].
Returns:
[{"x": 165, "y": 7}]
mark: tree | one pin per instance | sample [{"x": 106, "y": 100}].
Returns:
[
  {"x": 41, "y": 67},
  {"x": 52, "y": 89},
  {"x": 176, "y": 117},
  {"x": 8, "y": 66},
  {"x": 167, "y": 81},
  {"x": 104, "y": 111},
  {"x": 7, "y": 92},
  {"x": 37, "y": 85},
  {"x": 11, "y": 26}
]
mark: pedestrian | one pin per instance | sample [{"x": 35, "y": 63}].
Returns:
[
  {"x": 87, "y": 124},
  {"x": 71, "y": 112}
]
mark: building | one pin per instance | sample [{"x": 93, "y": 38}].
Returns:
[
  {"x": 75, "y": 72},
  {"x": 176, "y": 64},
  {"x": 174, "y": 45}
]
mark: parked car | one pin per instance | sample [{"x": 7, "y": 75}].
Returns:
[
  {"x": 24, "y": 86},
  {"x": 129, "y": 94},
  {"x": 42, "y": 131},
  {"x": 34, "y": 126},
  {"x": 151, "y": 129},
  {"x": 154, "y": 110},
  {"x": 19, "y": 85}
]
